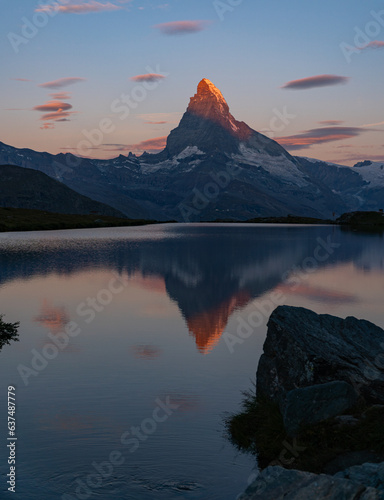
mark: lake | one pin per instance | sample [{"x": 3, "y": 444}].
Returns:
[{"x": 136, "y": 343}]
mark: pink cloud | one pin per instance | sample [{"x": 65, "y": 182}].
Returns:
[
  {"x": 61, "y": 95},
  {"x": 53, "y": 106},
  {"x": 331, "y": 122},
  {"x": 61, "y": 82},
  {"x": 57, "y": 116},
  {"x": 149, "y": 77},
  {"x": 319, "y": 136},
  {"x": 21, "y": 80},
  {"x": 315, "y": 81},
  {"x": 48, "y": 126},
  {"x": 84, "y": 8},
  {"x": 182, "y": 27},
  {"x": 153, "y": 145},
  {"x": 376, "y": 44}
]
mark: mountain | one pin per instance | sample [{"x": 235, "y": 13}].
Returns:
[
  {"x": 360, "y": 186},
  {"x": 213, "y": 167},
  {"x": 27, "y": 188}
]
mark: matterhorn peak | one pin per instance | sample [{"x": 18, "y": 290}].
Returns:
[
  {"x": 208, "y": 100},
  {"x": 206, "y": 86},
  {"x": 208, "y": 124}
]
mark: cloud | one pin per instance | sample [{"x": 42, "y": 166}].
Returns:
[
  {"x": 48, "y": 126},
  {"x": 83, "y": 8},
  {"x": 359, "y": 157},
  {"x": 182, "y": 27},
  {"x": 171, "y": 118},
  {"x": 151, "y": 145},
  {"x": 21, "y": 80},
  {"x": 373, "y": 124},
  {"x": 146, "y": 351},
  {"x": 376, "y": 44},
  {"x": 331, "y": 122},
  {"x": 114, "y": 147},
  {"x": 318, "y": 136},
  {"x": 61, "y": 82},
  {"x": 149, "y": 77},
  {"x": 318, "y": 293},
  {"x": 61, "y": 95},
  {"x": 155, "y": 123},
  {"x": 53, "y": 106},
  {"x": 315, "y": 81},
  {"x": 57, "y": 116}
]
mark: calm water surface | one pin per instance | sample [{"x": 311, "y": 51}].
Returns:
[{"x": 170, "y": 332}]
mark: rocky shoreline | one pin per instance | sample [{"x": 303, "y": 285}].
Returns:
[{"x": 320, "y": 401}]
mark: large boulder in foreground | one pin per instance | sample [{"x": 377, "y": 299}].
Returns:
[
  {"x": 368, "y": 474},
  {"x": 313, "y": 404},
  {"x": 303, "y": 349},
  {"x": 276, "y": 483}
]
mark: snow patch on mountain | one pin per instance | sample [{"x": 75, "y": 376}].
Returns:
[
  {"x": 278, "y": 166},
  {"x": 149, "y": 168},
  {"x": 189, "y": 151},
  {"x": 315, "y": 160},
  {"x": 373, "y": 173}
]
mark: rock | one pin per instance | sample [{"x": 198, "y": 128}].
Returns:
[
  {"x": 346, "y": 420},
  {"x": 303, "y": 348},
  {"x": 368, "y": 474},
  {"x": 351, "y": 458},
  {"x": 310, "y": 405},
  {"x": 276, "y": 483}
]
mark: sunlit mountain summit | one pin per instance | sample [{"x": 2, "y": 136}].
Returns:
[{"x": 213, "y": 167}]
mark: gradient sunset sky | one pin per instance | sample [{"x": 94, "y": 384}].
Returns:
[{"x": 308, "y": 74}]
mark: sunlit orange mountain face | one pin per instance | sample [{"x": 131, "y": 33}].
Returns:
[
  {"x": 207, "y": 327},
  {"x": 209, "y": 103}
]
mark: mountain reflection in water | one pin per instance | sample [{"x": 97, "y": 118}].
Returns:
[{"x": 208, "y": 271}]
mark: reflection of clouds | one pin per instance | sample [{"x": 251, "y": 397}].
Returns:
[
  {"x": 148, "y": 282},
  {"x": 186, "y": 402},
  {"x": 52, "y": 317},
  {"x": 69, "y": 421},
  {"x": 146, "y": 351},
  {"x": 318, "y": 293},
  {"x": 156, "y": 311}
]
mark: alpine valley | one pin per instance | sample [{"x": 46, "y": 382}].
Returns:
[{"x": 213, "y": 167}]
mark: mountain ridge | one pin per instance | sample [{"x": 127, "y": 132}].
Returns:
[
  {"x": 30, "y": 189},
  {"x": 212, "y": 167}
]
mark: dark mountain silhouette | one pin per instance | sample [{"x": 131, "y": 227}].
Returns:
[{"x": 27, "y": 188}]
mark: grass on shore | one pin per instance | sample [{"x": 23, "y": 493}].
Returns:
[
  {"x": 20, "y": 219},
  {"x": 259, "y": 429},
  {"x": 8, "y": 332}
]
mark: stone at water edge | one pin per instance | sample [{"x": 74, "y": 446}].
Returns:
[
  {"x": 303, "y": 348},
  {"x": 277, "y": 483},
  {"x": 369, "y": 474},
  {"x": 313, "y": 404}
]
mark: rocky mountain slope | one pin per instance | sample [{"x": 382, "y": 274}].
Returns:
[{"x": 213, "y": 167}]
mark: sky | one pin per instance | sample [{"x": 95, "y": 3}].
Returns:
[{"x": 102, "y": 78}]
